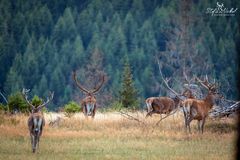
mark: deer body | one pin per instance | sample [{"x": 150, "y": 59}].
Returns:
[
  {"x": 161, "y": 105},
  {"x": 89, "y": 106},
  {"x": 195, "y": 109},
  {"x": 36, "y": 123}
]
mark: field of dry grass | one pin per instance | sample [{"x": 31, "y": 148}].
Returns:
[{"x": 111, "y": 136}]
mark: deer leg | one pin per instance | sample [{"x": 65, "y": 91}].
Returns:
[
  {"x": 199, "y": 125},
  {"x": 32, "y": 142},
  {"x": 94, "y": 111},
  {"x": 93, "y": 114},
  {"x": 35, "y": 142},
  {"x": 202, "y": 124},
  {"x": 149, "y": 109},
  {"x": 85, "y": 111},
  {"x": 185, "y": 119},
  {"x": 188, "y": 124},
  {"x": 38, "y": 141},
  {"x": 149, "y": 114}
]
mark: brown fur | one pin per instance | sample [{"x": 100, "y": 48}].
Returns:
[
  {"x": 161, "y": 105},
  {"x": 35, "y": 135},
  {"x": 89, "y": 99},
  {"x": 37, "y": 115},
  {"x": 195, "y": 109},
  {"x": 164, "y": 105},
  {"x": 188, "y": 93}
]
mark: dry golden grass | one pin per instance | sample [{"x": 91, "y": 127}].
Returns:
[{"x": 111, "y": 136}]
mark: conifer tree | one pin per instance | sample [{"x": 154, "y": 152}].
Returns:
[{"x": 128, "y": 93}]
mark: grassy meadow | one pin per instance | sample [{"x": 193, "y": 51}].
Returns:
[{"x": 111, "y": 136}]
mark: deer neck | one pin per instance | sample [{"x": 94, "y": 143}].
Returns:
[
  {"x": 176, "y": 102},
  {"x": 209, "y": 100},
  {"x": 37, "y": 112}
]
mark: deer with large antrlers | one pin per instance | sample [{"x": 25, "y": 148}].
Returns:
[
  {"x": 89, "y": 102},
  {"x": 195, "y": 109},
  {"x": 36, "y": 119}
]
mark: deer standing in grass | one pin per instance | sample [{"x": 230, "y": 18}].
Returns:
[
  {"x": 195, "y": 109},
  {"x": 165, "y": 105},
  {"x": 36, "y": 120},
  {"x": 89, "y": 102}
]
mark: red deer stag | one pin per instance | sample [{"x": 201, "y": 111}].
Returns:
[
  {"x": 195, "y": 109},
  {"x": 36, "y": 120},
  {"x": 89, "y": 102}
]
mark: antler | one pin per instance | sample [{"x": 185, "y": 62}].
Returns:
[
  {"x": 97, "y": 89},
  {"x": 166, "y": 81},
  {"x": 48, "y": 100},
  {"x": 186, "y": 77},
  {"x": 24, "y": 93},
  {"x": 78, "y": 84},
  {"x": 207, "y": 84},
  {"x": 204, "y": 83}
]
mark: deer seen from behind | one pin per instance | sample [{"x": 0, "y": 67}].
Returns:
[{"x": 36, "y": 119}]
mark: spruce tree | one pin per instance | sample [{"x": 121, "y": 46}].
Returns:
[{"x": 128, "y": 93}]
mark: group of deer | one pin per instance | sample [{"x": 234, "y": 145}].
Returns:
[
  {"x": 36, "y": 119},
  {"x": 193, "y": 108}
]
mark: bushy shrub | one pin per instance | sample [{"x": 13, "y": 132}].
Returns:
[
  {"x": 71, "y": 108},
  {"x": 116, "y": 106},
  {"x": 112, "y": 107},
  {"x": 2, "y": 107},
  {"x": 17, "y": 103},
  {"x": 36, "y": 101}
]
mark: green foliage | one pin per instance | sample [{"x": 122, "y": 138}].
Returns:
[
  {"x": 128, "y": 93},
  {"x": 114, "y": 106},
  {"x": 2, "y": 107},
  {"x": 41, "y": 44},
  {"x": 36, "y": 101},
  {"x": 16, "y": 102},
  {"x": 71, "y": 108}
]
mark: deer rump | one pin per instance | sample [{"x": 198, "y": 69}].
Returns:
[{"x": 162, "y": 105}]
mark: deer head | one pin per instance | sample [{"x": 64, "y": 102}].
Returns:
[
  {"x": 89, "y": 102},
  {"x": 211, "y": 87},
  {"x": 39, "y": 107}
]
